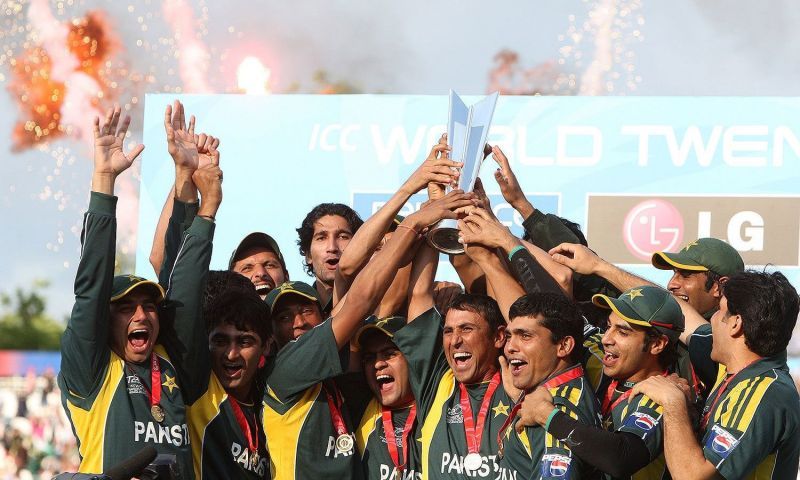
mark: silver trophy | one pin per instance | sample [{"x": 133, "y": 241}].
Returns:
[{"x": 467, "y": 129}]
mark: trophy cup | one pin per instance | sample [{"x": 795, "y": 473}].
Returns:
[{"x": 467, "y": 129}]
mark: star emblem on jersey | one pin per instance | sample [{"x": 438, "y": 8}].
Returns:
[
  {"x": 687, "y": 247},
  {"x": 636, "y": 292},
  {"x": 169, "y": 382},
  {"x": 500, "y": 409}
]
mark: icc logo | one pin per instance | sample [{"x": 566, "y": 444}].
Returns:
[{"x": 652, "y": 226}]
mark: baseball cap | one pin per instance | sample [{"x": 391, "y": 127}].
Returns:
[
  {"x": 388, "y": 326},
  {"x": 702, "y": 255},
  {"x": 292, "y": 288},
  {"x": 125, "y": 284},
  {"x": 646, "y": 306},
  {"x": 256, "y": 239}
]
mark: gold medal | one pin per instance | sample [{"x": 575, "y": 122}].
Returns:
[
  {"x": 157, "y": 412},
  {"x": 344, "y": 443}
]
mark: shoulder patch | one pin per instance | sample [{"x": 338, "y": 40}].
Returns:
[
  {"x": 721, "y": 441},
  {"x": 555, "y": 466},
  {"x": 642, "y": 421}
]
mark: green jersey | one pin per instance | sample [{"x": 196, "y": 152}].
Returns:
[
  {"x": 297, "y": 414},
  {"x": 373, "y": 446},
  {"x": 751, "y": 423},
  {"x": 535, "y": 453},
  {"x": 442, "y": 434},
  {"x": 221, "y": 438},
  {"x": 641, "y": 417},
  {"x": 106, "y": 398}
]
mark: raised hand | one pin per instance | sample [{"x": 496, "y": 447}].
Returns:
[
  {"x": 436, "y": 169},
  {"x": 474, "y": 250},
  {"x": 181, "y": 140},
  {"x": 509, "y": 186},
  {"x": 488, "y": 231},
  {"x": 207, "y": 149},
  {"x": 208, "y": 180},
  {"x": 437, "y": 190},
  {"x": 577, "y": 257},
  {"x": 436, "y": 210},
  {"x": 109, "y": 158}
]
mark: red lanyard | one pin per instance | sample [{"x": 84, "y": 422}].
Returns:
[
  {"x": 333, "y": 406},
  {"x": 609, "y": 407},
  {"x": 252, "y": 440},
  {"x": 554, "y": 382},
  {"x": 155, "y": 381},
  {"x": 474, "y": 427},
  {"x": 391, "y": 443},
  {"x": 720, "y": 391}
]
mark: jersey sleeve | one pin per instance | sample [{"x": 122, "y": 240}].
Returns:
[
  {"x": 84, "y": 345},
  {"x": 421, "y": 344},
  {"x": 700, "y": 355},
  {"x": 558, "y": 460},
  {"x": 745, "y": 434},
  {"x": 185, "y": 284},
  {"x": 547, "y": 231},
  {"x": 181, "y": 219},
  {"x": 306, "y": 361},
  {"x": 593, "y": 358},
  {"x": 643, "y": 419}
]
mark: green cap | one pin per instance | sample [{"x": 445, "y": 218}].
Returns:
[
  {"x": 256, "y": 239},
  {"x": 702, "y": 255},
  {"x": 646, "y": 306},
  {"x": 125, "y": 284},
  {"x": 292, "y": 288},
  {"x": 388, "y": 326}
]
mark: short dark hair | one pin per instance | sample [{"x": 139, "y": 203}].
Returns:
[
  {"x": 559, "y": 315},
  {"x": 306, "y": 230},
  {"x": 242, "y": 309},
  {"x": 221, "y": 280},
  {"x": 669, "y": 356},
  {"x": 481, "y": 305},
  {"x": 768, "y": 305},
  {"x": 711, "y": 279}
]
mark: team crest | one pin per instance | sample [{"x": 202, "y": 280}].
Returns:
[
  {"x": 642, "y": 421},
  {"x": 555, "y": 466},
  {"x": 721, "y": 441},
  {"x": 454, "y": 415}
]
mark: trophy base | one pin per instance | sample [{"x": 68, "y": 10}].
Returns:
[{"x": 445, "y": 240}]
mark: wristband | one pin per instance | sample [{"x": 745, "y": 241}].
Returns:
[
  {"x": 409, "y": 228},
  {"x": 515, "y": 250},
  {"x": 550, "y": 418}
]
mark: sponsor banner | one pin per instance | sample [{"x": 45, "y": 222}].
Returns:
[
  {"x": 284, "y": 154},
  {"x": 628, "y": 229}
]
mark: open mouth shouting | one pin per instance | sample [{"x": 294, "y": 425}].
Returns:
[
  {"x": 233, "y": 370},
  {"x": 610, "y": 359},
  {"x": 331, "y": 263},
  {"x": 516, "y": 366},
  {"x": 385, "y": 382},
  {"x": 263, "y": 287},
  {"x": 462, "y": 361},
  {"x": 139, "y": 339}
]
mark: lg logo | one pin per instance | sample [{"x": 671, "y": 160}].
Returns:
[
  {"x": 657, "y": 225},
  {"x": 763, "y": 229}
]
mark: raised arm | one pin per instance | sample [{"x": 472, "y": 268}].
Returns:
[
  {"x": 584, "y": 261},
  {"x": 436, "y": 168},
  {"x": 84, "y": 345},
  {"x": 503, "y": 287},
  {"x": 420, "y": 285},
  {"x": 371, "y": 283}
]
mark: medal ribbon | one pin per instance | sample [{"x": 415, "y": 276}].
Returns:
[
  {"x": 252, "y": 440},
  {"x": 720, "y": 392},
  {"x": 391, "y": 443},
  {"x": 555, "y": 382},
  {"x": 333, "y": 406},
  {"x": 155, "y": 381},
  {"x": 608, "y": 406},
  {"x": 474, "y": 428}
]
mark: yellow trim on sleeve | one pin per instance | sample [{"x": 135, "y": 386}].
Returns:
[
  {"x": 368, "y": 424},
  {"x": 199, "y": 415},
  {"x": 444, "y": 391},
  {"x": 283, "y": 433}
]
